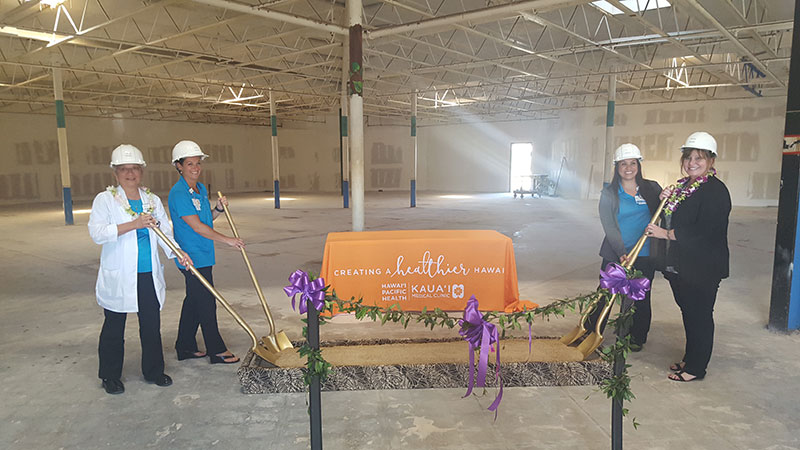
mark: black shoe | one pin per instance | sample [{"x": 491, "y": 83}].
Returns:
[
  {"x": 636, "y": 347},
  {"x": 162, "y": 380},
  {"x": 113, "y": 386}
]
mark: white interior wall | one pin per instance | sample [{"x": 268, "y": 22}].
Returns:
[
  {"x": 453, "y": 158},
  {"x": 476, "y": 157}
]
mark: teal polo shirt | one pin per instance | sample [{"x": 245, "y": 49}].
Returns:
[
  {"x": 184, "y": 201},
  {"x": 633, "y": 217},
  {"x": 145, "y": 263}
]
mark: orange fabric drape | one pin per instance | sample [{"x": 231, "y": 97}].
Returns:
[{"x": 419, "y": 269}]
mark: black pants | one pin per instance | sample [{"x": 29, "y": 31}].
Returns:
[
  {"x": 696, "y": 300},
  {"x": 642, "y": 313},
  {"x": 112, "y": 338},
  {"x": 199, "y": 310}
]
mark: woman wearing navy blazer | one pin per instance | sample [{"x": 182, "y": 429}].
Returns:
[
  {"x": 696, "y": 231},
  {"x": 625, "y": 208}
]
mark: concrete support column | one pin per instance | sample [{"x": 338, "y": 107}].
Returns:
[
  {"x": 63, "y": 151},
  {"x": 276, "y": 173},
  {"x": 414, "y": 149},
  {"x": 356, "y": 89},
  {"x": 344, "y": 127},
  {"x": 608, "y": 166},
  {"x": 784, "y": 307}
]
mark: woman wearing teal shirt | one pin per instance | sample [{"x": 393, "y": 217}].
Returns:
[
  {"x": 626, "y": 206},
  {"x": 192, "y": 219}
]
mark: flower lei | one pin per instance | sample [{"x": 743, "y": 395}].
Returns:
[
  {"x": 126, "y": 206},
  {"x": 682, "y": 191}
]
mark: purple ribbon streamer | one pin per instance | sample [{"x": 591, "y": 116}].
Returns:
[
  {"x": 313, "y": 291},
  {"x": 615, "y": 279},
  {"x": 480, "y": 334}
]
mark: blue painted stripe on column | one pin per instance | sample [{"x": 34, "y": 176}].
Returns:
[
  {"x": 273, "y": 120},
  {"x": 413, "y": 193},
  {"x": 793, "y": 316},
  {"x": 277, "y": 194},
  {"x": 610, "y": 114},
  {"x": 346, "y": 193},
  {"x": 413, "y": 126},
  {"x": 343, "y": 131},
  {"x": 68, "y": 206},
  {"x": 61, "y": 122}
]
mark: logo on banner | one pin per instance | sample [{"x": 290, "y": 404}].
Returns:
[{"x": 458, "y": 291}]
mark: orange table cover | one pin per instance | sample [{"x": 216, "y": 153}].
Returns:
[{"x": 423, "y": 268}]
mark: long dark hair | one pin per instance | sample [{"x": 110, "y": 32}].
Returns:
[{"x": 616, "y": 178}]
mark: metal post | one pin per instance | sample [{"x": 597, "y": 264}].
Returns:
[
  {"x": 344, "y": 127},
  {"x": 314, "y": 394},
  {"x": 63, "y": 151},
  {"x": 608, "y": 167},
  {"x": 784, "y": 307},
  {"x": 276, "y": 173},
  {"x": 619, "y": 366},
  {"x": 356, "y": 86},
  {"x": 414, "y": 149}
]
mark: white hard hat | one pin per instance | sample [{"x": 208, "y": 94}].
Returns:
[
  {"x": 186, "y": 149},
  {"x": 627, "y": 151},
  {"x": 701, "y": 141},
  {"x": 127, "y": 154}
]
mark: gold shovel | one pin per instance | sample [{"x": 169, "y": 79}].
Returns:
[
  {"x": 590, "y": 344},
  {"x": 580, "y": 329},
  {"x": 257, "y": 349},
  {"x": 276, "y": 341}
]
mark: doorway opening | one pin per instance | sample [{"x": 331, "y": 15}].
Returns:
[{"x": 521, "y": 167}]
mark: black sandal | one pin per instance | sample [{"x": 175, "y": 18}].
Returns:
[
  {"x": 223, "y": 359},
  {"x": 188, "y": 354},
  {"x": 680, "y": 378},
  {"x": 677, "y": 367}
]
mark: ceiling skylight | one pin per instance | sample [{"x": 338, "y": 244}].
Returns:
[{"x": 633, "y": 5}]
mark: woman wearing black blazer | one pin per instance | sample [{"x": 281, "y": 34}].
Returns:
[
  {"x": 626, "y": 206},
  {"x": 696, "y": 231}
]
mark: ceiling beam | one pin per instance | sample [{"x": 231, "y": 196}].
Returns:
[
  {"x": 477, "y": 15},
  {"x": 278, "y": 16}
]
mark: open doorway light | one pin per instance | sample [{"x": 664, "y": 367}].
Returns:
[{"x": 521, "y": 167}]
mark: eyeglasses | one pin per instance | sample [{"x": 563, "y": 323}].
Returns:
[{"x": 125, "y": 169}]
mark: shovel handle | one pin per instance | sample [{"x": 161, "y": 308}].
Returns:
[
  {"x": 208, "y": 286},
  {"x": 261, "y": 297}
]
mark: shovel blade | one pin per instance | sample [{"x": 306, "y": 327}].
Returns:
[
  {"x": 265, "y": 354},
  {"x": 270, "y": 344},
  {"x": 590, "y": 344},
  {"x": 283, "y": 341},
  {"x": 277, "y": 343},
  {"x": 573, "y": 335}
]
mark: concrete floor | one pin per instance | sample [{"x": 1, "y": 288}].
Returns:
[{"x": 50, "y": 322}]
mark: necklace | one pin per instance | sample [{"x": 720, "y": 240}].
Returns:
[
  {"x": 123, "y": 202},
  {"x": 682, "y": 191}
]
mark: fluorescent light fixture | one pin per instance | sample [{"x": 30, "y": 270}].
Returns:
[
  {"x": 288, "y": 199},
  {"x": 51, "y": 3},
  {"x": 633, "y": 5},
  {"x": 31, "y": 34},
  {"x": 81, "y": 211},
  {"x": 50, "y": 38}
]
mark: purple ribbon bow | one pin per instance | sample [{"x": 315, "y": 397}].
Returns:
[
  {"x": 313, "y": 291},
  {"x": 480, "y": 334},
  {"x": 615, "y": 279}
]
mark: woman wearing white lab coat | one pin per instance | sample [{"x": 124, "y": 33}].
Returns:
[{"x": 131, "y": 277}]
